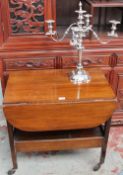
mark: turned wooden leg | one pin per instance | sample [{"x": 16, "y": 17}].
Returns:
[
  {"x": 104, "y": 146},
  {"x": 13, "y": 151}
]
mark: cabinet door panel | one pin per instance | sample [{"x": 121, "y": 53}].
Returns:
[{"x": 28, "y": 63}]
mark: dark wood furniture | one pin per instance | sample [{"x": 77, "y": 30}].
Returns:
[
  {"x": 103, "y": 4},
  {"x": 46, "y": 112},
  {"x": 24, "y": 46}
]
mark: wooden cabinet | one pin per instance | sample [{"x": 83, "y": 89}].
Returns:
[{"x": 24, "y": 45}]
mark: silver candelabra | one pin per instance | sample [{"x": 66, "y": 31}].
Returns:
[{"x": 80, "y": 30}]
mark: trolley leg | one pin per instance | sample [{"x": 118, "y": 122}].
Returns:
[
  {"x": 104, "y": 146},
  {"x": 13, "y": 151}
]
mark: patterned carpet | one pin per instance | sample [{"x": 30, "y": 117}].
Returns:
[{"x": 77, "y": 162}]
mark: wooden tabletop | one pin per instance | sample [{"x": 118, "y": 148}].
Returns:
[{"x": 54, "y": 86}]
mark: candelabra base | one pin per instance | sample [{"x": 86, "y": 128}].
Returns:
[{"x": 79, "y": 77}]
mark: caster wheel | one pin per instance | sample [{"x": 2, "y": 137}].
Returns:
[
  {"x": 12, "y": 171},
  {"x": 97, "y": 167}
]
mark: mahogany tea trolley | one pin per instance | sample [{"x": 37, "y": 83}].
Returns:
[{"x": 46, "y": 112}]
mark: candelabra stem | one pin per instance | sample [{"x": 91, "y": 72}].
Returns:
[
  {"x": 79, "y": 75},
  {"x": 80, "y": 58}
]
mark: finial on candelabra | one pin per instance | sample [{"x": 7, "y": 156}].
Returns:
[
  {"x": 80, "y": 5},
  {"x": 80, "y": 11},
  {"x": 80, "y": 14}
]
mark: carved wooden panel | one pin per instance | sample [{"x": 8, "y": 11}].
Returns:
[
  {"x": 27, "y": 16},
  {"x": 88, "y": 61},
  {"x": 28, "y": 63}
]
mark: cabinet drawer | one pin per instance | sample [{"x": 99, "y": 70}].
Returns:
[
  {"x": 88, "y": 61},
  {"x": 27, "y": 63}
]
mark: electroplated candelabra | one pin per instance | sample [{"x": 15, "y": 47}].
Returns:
[{"x": 80, "y": 30}]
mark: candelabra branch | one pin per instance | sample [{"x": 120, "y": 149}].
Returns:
[
  {"x": 64, "y": 35},
  {"x": 98, "y": 38}
]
